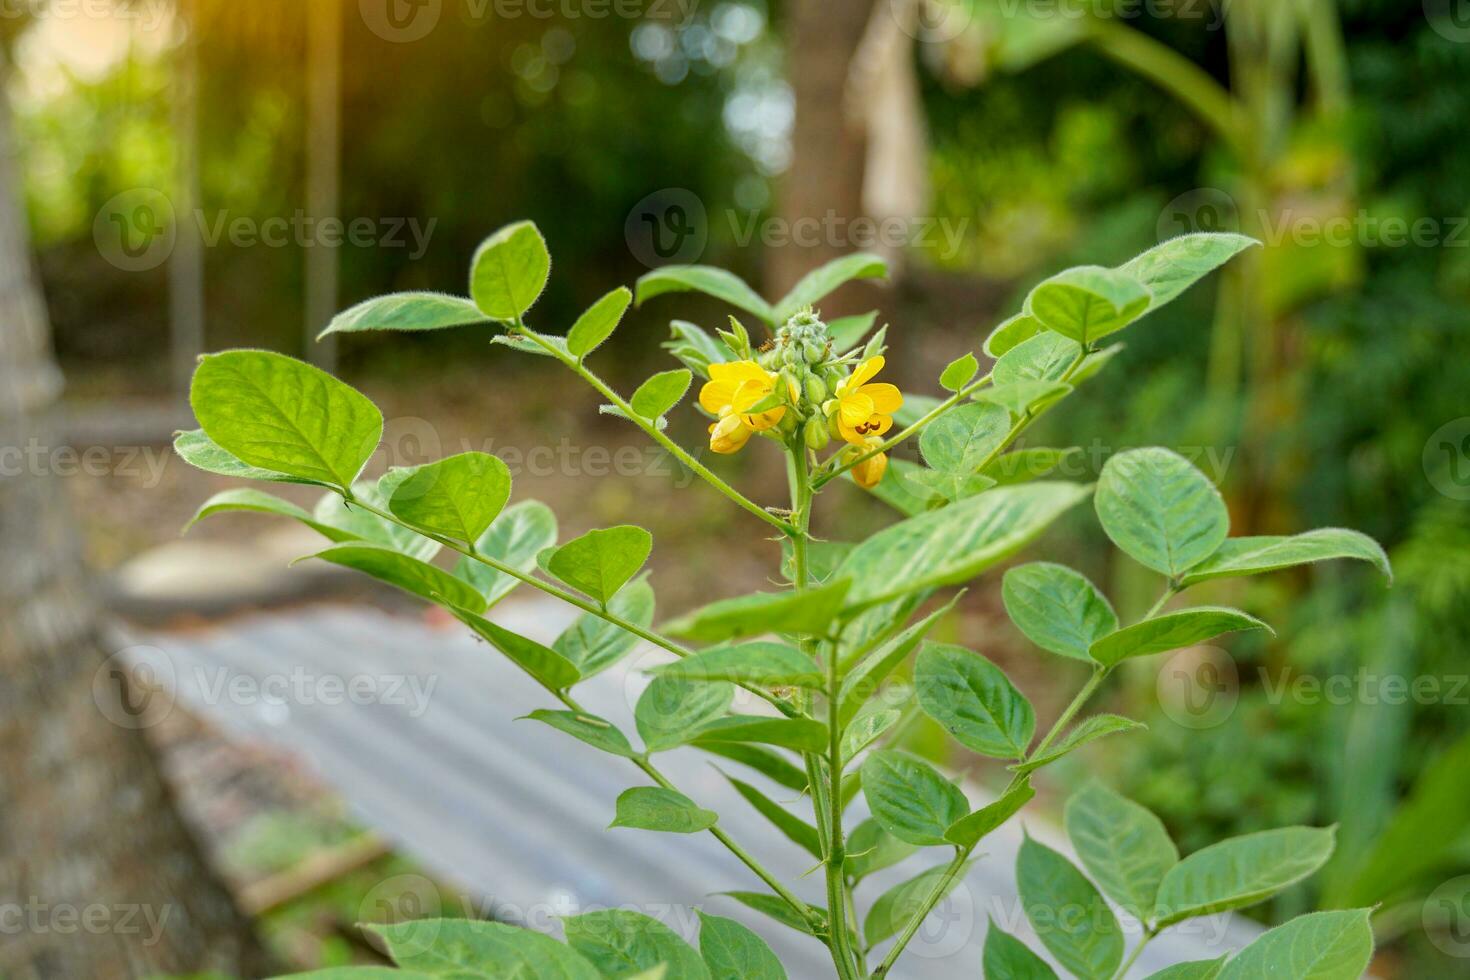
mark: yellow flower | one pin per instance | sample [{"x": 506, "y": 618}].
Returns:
[
  {"x": 869, "y": 473},
  {"x": 865, "y": 409},
  {"x": 732, "y": 389}
]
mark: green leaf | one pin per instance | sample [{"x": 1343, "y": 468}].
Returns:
[
  {"x": 971, "y": 829},
  {"x": 963, "y": 438},
  {"x": 1067, "y": 912},
  {"x": 974, "y": 701},
  {"x": 952, "y": 545},
  {"x": 1011, "y": 333},
  {"x": 550, "y": 668},
  {"x": 870, "y": 849},
  {"x": 656, "y": 808},
  {"x": 1318, "y": 946},
  {"x": 848, "y": 331},
  {"x": 1170, "y": 631},
  {"x": 1025, "y": 465},
  {"x": 530, "y": 342},
  {"x": 948, "y": 485},
  {"x": 1161, "y": 510},
  {"x": 809, "y": 611},
  {"x": 469, "y": 949},
  {"x": 767, "y": 762},
  {"x": 893, "y": 909},
  {"x": 793, "y": 828},
  {"x": 776, "y": 908},
  {"x": 1024, "y": 397},
  {"x": 509, "y": 270},
  {"x": 244, "y": 499},
  {"x": 760, "y": 662},
  {"x": 800, "y": 734},
  {"x": 457, "y": 496},
  {"x": 406, "y": 311},
  {"x": 360, "y": 973},
  {"x": 733, "y": 952},
  {"x": 201, "y": 452},
  {"x": 1088, "y": 302},
  {"x": 1167, "y": 270},
  {"x": 863, "y": 680},
  {"x": 409, "y": 574},
  {"x": 1268, "y": 553},
  {"x": 1122, "y": 845},
  {"x": 1241, "y": 871},
  {"x": 1058, "y": 609},
  {"x": 598, "y": 323},
  {"x": 825, "y": 278},
  {"x": 661, "y": 392},
  {"x": 705, "y": 279},
  {"x": 593, "y": 644},
  {"x": 695, "y": 347},
  {"x": 672, "y": 710},
  {"x": 958, "y": 373},
  {"x": 601, "y": 562},
  {"x": 514, "y": 538},
  {"x": 909, "y": 799},
  {"x": 1193, "y": 970},
  {"x": 596, "y": 732},
  {"x": 1045, "y": 357},
  {"x": 281, "y": 414},
  {"x": 621, "y": 943},
  {"x": 1007, "y": 958},
  {"x": 1088, "y": 730},
  {"x": 869, "y": 724}
]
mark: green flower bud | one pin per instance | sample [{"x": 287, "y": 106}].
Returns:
[
  {"x": 788, "y": 423},
  {"x": 814, "y": 352},
  {"x": 816, "y": 434},
  {"x": 816, "y": 390}
]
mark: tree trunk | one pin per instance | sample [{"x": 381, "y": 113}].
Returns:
[
  {"x": 99, "y": 876},
  {"x": 823, "y": 189}
]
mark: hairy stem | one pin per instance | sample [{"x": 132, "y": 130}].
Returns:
[{"x": 1133, "y": 956}]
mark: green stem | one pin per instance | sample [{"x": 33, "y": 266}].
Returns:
[
  {"x": 652, "y": 430},
  {"x": 1158, "y": 606},
  {"x": 894, "y": 440},
  {"x": 1133, "y": 956}
]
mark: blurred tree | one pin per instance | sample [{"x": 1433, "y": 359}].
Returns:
[{"x": 87, "y": 819}]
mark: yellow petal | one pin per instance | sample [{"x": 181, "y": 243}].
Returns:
[
  {"x": 869, "y": 473},
  {"x": 738, "y": 371},
  {"x": 879, "y": 424},
  {"x": 855, "y": 408},
  {"x": 886, "y": 397},
  {"x": 716, "y": 395},
  {"x": 850, "y": 434},
  {"x": 728, "y": 435},
  {"x": 864, "y": 372}
]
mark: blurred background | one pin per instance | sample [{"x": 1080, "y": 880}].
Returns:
[{"x": 189, "y": 175}]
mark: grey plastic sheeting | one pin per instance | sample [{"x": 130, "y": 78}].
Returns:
[{"x": 415, "y": 726}]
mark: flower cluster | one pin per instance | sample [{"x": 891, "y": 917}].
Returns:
[{"x": 788, "y": 388}]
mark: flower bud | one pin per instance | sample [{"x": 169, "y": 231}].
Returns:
[
  {"x": 788, "y": 423},
  {"x": 814, "y": 352},
  {"x": 816, "y": 434},
  {"x": 816, "y": 390}
]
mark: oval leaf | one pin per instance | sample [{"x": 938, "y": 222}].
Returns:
[
  {"x": 621, "y": 943},
  {"x": 656, "y": 808},
  {"x": 281, "y": 414},
  {"x": 1268, "y": 553},
  {"x": 1318, "y": 946},
  {"x": 672, "y": 710},
  {"x": 909, "y": 799},
  {"x": 807, "y": 611},
  {"x": 457, "y": 496},
  {"x": 1169, "y": 269},
  {"x": 1058, "y": 609},
  {"x": 661, "y": 392},
  {"x": 1088, "y": 302},
  {"x": 705, "y": 279},
  {"x": 1172, "y": 630},
  {"x": 409, "y": 574},
  {"x": 964, "y": 438},
  {"x": 1067, "y": 912},
  {"x": 554, "y": 671},
  {"x": 1007, "y": 958},
  {"x": 1088, "y": 730},
  {"x": 733, "y": 952},
  {"x": 469, "y": 948},
  {"x": 767, "y": 664},
  {"x": 406, "y": 311},
  {"x": 970, "y": 830},
  {"x": 246, "y": 500},
  {"x": 514, "y": 538},
  {"x": 1008, "y": 335},
  {"x": 509, "y": 270},
  {"x": 1241, "y": 871},
  {"x": 596, "y": 732},
  {"x": 201, "y": 452},
  {"x": 601, "y": 562},
  {"x": 1122, "y": 845},
  {"x": 593, "y": 644},
  {"x": 598, "y": 323},
  {"x": 974, "y": 701},
  {"x": 958, "y": 373},
  {"x": 1161, "y": 510}
]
